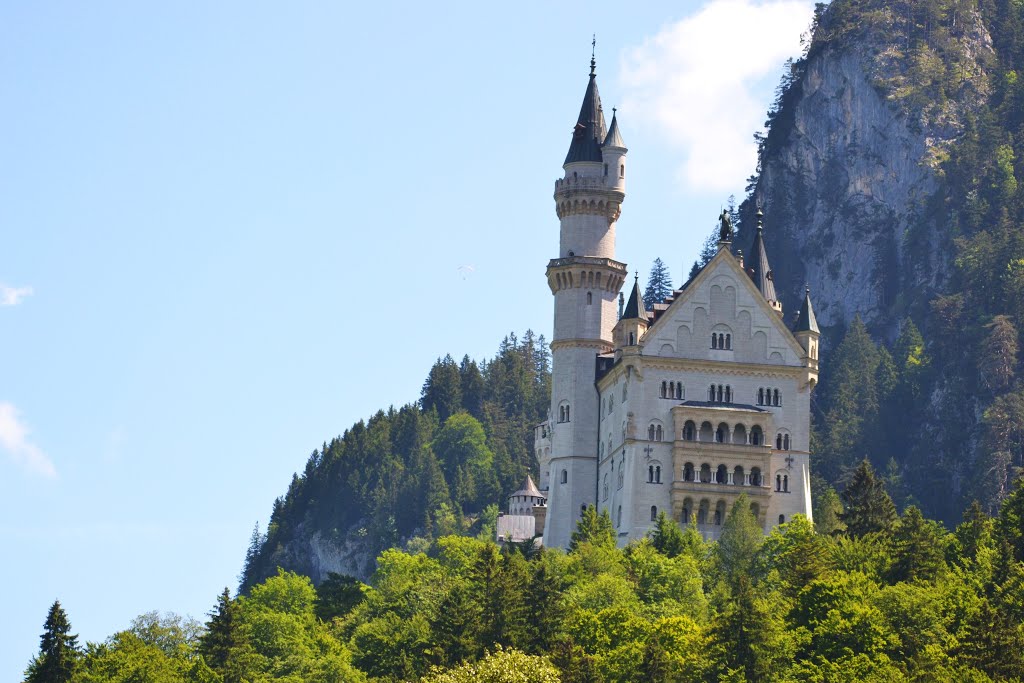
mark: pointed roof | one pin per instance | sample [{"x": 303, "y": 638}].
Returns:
[
  {"x": 614, "y": 137},
  {"x": 529, "y": 489},
  {"x": 589, "y": 132},
  {"x": 635, "y": 306},
  {"x": 760, "y": 271},
  {"x": 806, "y": 322}
]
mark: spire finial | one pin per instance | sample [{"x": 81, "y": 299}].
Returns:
[
  {"x": 593, "y": 51},
  {"x": 760, "y": 219},
  {"x": 636, "y": 276}
]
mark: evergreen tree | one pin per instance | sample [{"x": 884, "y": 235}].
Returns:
[
  {"x": 223, "y": 644},
  {"x": 750, "y": 636},
  {"x": 337, "y": 595},
  {"x": 867, "y": 506},
  {"x": 1010, "y": 525},
  {"x": 666, "y": 536},
  {"x": 659, "y": 284},
  {"x": 58, "y": 650},
  {"x": 593, "y": 528},
  {"x": 918, "y": 548},
  {"x": 739, "y": 542},
  {"x": 471, "y": 383},
  {"x": 997, "y": 355},
  {"x": 827, "y": 510},
  {"x": 252, "y": 554},
  {"x": 442, "y": 390}
]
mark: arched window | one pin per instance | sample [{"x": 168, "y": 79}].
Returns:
[
  {"x": 782, "y": 519},
  {"x": 720, "y": 512},
  {"x": 657, "y": 474},
  {"x": 650, "y": 433},
  {"x": 679, "y": 390},
  {"x": 785, "y": 483},
  {"x": 590, "y": 298},
  {"x": 728, "y": 394},
  {"x": 719, "y": 435},
  {"x": 664, "y": 387},
  {"x": 711, "y": 394},
  {"x": 778, "y": 482},
  {"x": 785, "y": 442},
  {"x": 618, "y": 517},
  {"x": 702, "y": 513},
  {"x": 756, "y": 436},
  {"x": 688, "y": 473},
  {"x": 755, "y": 476},
  {"x": 721, "y": 474},
  {"x": 760, "y": 396},
  {"x": 721, "y": 340},
  {"x": 567, "y": 414},
  {"x": 728, "y": 341},
  {"x": 658, "y": 433},
  {"x": 714, "y": 341},
  {"x": 775, "y": 398},
  {"x": 622, "y": 170},
  {"x": 565, "y": 476},
  {"x": 650, "y": 474},
  {"x": 688, "y": 430},
  {"x": 654, "y": 513},
  {"x": 632, "y": 339},
  {"x": 778, "y": 441},
  {"x": 720, "y": 393}
]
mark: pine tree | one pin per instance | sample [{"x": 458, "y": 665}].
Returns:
[
  {"x": 593, "y": 528},
  {"x": 867, "y": 506},
  {"x": 997, "y": 356},
  {"x": 443, "y": 389},
  {"x": 666, "y": 536},
  {"x": 471, "y": 382},
  {"x": 252, "y": 553},
  {"x": 659, "y": 284},
  {"x": 917, "y": 548},
  {"x": 740, "y": 540},
  {"x": 58, "y": 650},
  {"x": 223, "y": 643}
]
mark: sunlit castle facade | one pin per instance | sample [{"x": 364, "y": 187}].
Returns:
[{"x": 678, "y": 409}]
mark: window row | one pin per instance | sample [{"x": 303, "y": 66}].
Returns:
[
  {"x": 722, "y": 475},
  {"x": 737, "y": 434},
  {"x": 705, "y": 515},
  {"x": 782, "y": 442},
  {"x": 721, "y": 341},
  {"x": 768, "y": 397},
  {"x": 655, "y": 433},
  {"x": 673, "y": 390},
  {"x": 720, "y": 394},
  {"x": 654, "y": 474}
]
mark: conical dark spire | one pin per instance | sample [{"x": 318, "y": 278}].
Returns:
[
  {"x": 614, "y": 137},
  {"x": 806, "y": 322},
  {"x": 635, "y": 306},
  {"x": 589, "y": 132},
  {"x": 760, "y": 271}
]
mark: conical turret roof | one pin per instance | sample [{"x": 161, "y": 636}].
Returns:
[
  {"x": 760, "y": 271},
  {"x": 589, "y": 132},
  {"x": 529, "y": 489},
  {"x": 635, "y": 306},
  {"x": 806, "y": 322},
  {"x": 614, "y": 137}
]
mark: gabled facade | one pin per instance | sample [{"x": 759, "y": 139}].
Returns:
[{"x": 681, "y": 409}]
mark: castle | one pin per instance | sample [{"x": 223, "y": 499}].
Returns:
[{"x": 679, "y": 409}]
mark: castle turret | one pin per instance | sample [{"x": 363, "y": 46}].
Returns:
[
  {"x": 807, "y": 333},
  {"x": 759, "y": 269},
  {"x": 634, "y": 321},
  {"x": 585, "y": 280}
]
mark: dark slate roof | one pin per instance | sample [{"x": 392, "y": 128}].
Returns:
[
  {"x": 589, "y": 132},
  {"x": 806, "y": 322},
  {"x": 635, "y": 306},
  {"x": 614, "y": 137},
  {"x": 760, "y": 271},
  {"x": 724, "y": 406}
]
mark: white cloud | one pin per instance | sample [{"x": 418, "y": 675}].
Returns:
[
  {"x": 705, "y": 83},
  {"x": 14, "y": 439},
  {"x": 12, "y": 296}
]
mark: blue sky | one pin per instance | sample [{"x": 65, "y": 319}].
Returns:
[{"x": 232, "y": 229}]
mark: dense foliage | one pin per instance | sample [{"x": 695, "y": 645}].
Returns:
[
  {"x": 900, "y": 599},
  {"x": 417, "y": 472}
]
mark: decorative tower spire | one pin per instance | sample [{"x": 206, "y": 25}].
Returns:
[
  {"x": 808, "y": 335},
  {"x": 760, "y": 271},
  {"x": 805, "y": 321},
  {"x": 589, "y": 132}
]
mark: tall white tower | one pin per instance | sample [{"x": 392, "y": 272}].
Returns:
[{"x": 585, "y": 280}]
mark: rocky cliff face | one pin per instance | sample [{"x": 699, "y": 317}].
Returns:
[{"x": 849, "y": 178}]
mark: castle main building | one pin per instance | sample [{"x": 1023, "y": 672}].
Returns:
[{"x": 678, "y": 409}]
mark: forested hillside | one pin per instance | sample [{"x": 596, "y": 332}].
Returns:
[
  {"x": 880, "y": 599},
  {"x": 888, "y": 179},
  {"x": 414, "y": 473}
]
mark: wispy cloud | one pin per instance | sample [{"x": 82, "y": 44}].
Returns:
[
  {"x": 705, "y": 82},
  {"x": 14, "y": 439},
  {"x": 12, "y": 296}
]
